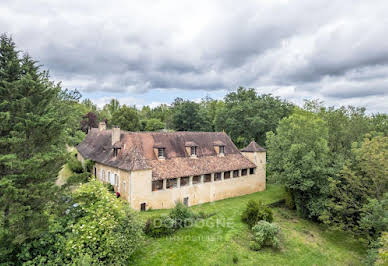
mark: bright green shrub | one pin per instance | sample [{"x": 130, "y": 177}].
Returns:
[
  {"x": 182, "y": 215},
  {"x": 92, "y": 227},
  {"x": 75, "y": 166},
  {"x": 159, "y": 226},
  {"x": 265, "y": 234},
  {"x": 256, "y": 211}
]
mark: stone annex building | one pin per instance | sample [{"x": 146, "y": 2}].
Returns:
[{"x": 157, "y": 169}]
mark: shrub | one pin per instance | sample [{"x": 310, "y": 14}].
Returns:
[
  {"x": 159, "y": 226},
  {"x": 182, "y": 215},
  {"x": 78, "y": 178},
  {"x": 75, "y": 166},
  {"x": 289, "y": 200},
  {"x": 110, "y": 187},
  {"x": 89, "y": 166},
  {"x": 256, "y": 211},
  {"x": 265, "y": 234}
]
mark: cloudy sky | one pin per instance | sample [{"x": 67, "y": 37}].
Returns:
[{"x": 149, "y": 52}]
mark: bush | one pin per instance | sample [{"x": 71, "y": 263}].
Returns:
[
  {"x": 159, "y": 226},
  {"x": 75, "y": 166},
  {"x": 256, "y": 211},
  {"x": 265, "y": 234},
  {"x": 110, "y": 187},
  {"x": 89, "y": 166},
  {"x": 289, "y": 200},
  {"x": 78, "y": 178},
  {"x": 182, "y": 215}
]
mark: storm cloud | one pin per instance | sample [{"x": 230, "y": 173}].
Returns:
[{"x": 335, "y": 51}]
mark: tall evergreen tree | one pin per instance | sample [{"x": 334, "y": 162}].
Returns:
[{"x": 33, "y": 116}]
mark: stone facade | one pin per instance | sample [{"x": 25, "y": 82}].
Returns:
[{"x": 136, "y": 186}]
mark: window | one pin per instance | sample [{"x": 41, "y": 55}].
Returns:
[
  {"x": 235, "y": 173},
  {"x": 110, "y": 181},
  {"x": 252, "y": 171},
  {"x": 186, "y": 201},
  {"x": 143, "y": 207},
  {"x": 171, "y": 183},
  {"x": 185, "y": 181},
  {"x": 193, "y": 150},
  {"x": 207, "y": 178},
  {"x": 161, "y": 152},
  {"x": 116, "y": 180},
  {"x": 227, "y": 175},
  {"x": 103, "y": 175},
  {"x": 95, "y": 171},
  {"x": 157, "y": 185},
  {"x": 222, "y": 149},
  {"x": 244, "y": 172},
  {"x": 217, "y": 176},
  {"x": 115, "y": 152},
  {"x": 196, "y": 179}
]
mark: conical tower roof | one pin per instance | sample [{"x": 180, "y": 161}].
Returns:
[{"x": 253, "y": 147}]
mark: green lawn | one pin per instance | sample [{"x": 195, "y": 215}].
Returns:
[{"x": 209, "y": 243}]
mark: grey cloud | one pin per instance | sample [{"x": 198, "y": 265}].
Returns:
[{"x": 334, "y": 50}]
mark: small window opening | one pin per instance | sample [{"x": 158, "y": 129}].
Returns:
[
  {"x": 235, "y": 173},
  {"x": 196, "y": 179},
  {"x": 171, "y": 183},
  {"x": 143, "y": 207},
  {"x": 217, "y": 176},
  {"x": 222, "y": 149},
  {"x": 193, "y": 150},
  {"x": 207, "y": 178},
  {"x": 185, "y": 181},
  {"x": 244, "y": 172},
  {"x": 227, "y": 175},
  {"x": 157, "y": 185},
  {"x": 252, "y": 171},
  {"x": 161, "y": 152}
]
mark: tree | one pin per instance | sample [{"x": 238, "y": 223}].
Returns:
[
  {"x": 34, "y": 116},
  {"x": 126, "y": 118},
  {"x": 248, "y": 116},
  {"x": 88, "y": 122},
  {"x": 154, "y": 124},
  {"x": 363, "y": 178},
  {"x": 298, "y": 156},
  {"x": 187, "y": 116}
]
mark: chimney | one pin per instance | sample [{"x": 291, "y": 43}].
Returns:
[
  {"x": 115, "y": 134},
  {"x": 101, "y": 126}
]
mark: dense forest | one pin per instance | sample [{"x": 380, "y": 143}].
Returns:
[{"x": 332, "y": 161}]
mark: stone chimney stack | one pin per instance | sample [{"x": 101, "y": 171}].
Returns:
[
  {"x": 101, "y": 126},
  {"x": 115, "y": 134}
]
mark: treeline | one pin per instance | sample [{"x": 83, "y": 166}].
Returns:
[
  {"x": 244, "y": 115},
  {"x": 334, "y": 164}
]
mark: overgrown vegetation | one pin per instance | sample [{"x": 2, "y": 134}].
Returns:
[{"x": 256, "y": 211}]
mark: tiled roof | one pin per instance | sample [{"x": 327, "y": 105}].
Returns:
[
  {"x": 137, "y": 152},
  {"x": 253, "y": 147}
]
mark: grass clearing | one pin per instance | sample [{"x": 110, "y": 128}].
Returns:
[{"x": 223, "y": 238}]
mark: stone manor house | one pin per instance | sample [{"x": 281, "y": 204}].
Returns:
[{"x": 157, "y": 169}]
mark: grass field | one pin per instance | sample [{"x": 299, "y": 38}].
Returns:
[{"x": 223, "y": 238}]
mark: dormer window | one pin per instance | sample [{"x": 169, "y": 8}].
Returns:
[
  {"x": 161, "y": 152},
  {"x": 193, "y": 150},
  {"x": 222, "y": 149},
  {"x": 115, "y": 152}
]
